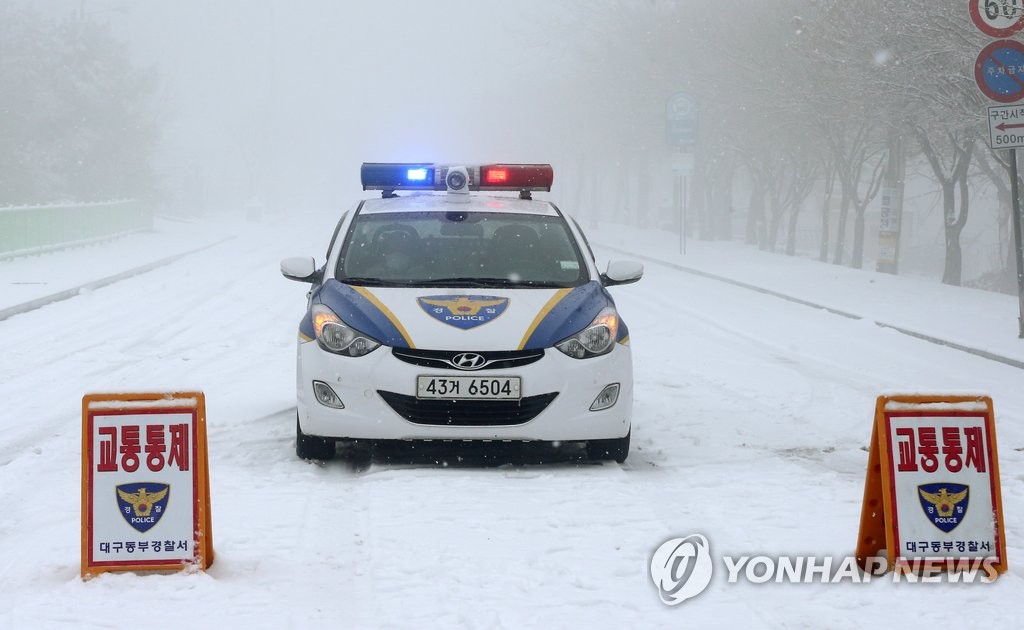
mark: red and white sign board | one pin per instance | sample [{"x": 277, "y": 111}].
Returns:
[
  {"x": 998, "y": 18},
  {"x": 932, "y": 489},
  {"x": 145, "y": 483}
]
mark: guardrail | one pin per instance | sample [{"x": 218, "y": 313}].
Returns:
[{"x": 35, "y": 229}]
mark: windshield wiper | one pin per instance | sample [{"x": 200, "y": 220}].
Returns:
[
  {"x": 490, "y": 282},
  {"x": 475, "y": 282},
  {"x": 465, "y": 281},
  {"x": 372, "y": 282}
]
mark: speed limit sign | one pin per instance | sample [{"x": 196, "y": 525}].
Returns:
[{"x": 998, "y": 18}]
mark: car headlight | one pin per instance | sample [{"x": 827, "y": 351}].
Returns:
[
  {"x": 336, "y": 336},
  {"x": 594, "y": 340}
]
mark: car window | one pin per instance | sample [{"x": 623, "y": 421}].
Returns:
[
  {"x": 460, "y": 249},
  {"x": 586, "y": 242},
  {"x": 337, "y": 230}
]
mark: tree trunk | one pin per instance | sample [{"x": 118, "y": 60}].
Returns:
[
  {"x": 953, "y": 268},
  {"x": 776, "y": 220},
  {"x": 723, "y": 216},
  {"x": 699, "y": 202},
  {"x": 858, "y": 238},
  {"x": 711, "y": 211},
  {"x": 755, "y": 213},
  {"x": 791, "y": 231},
  {"x": 826, "y": 214},
  {"x": 844, "y": 211}
]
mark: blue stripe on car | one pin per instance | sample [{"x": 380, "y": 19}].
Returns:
[
  {"x": 571, "y": 315},
  {"x": 359, "y": 313}
]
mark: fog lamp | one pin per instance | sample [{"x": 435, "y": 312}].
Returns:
[
  {"x": 607, "y": 398},
  {"x": 326, "y": 396}
]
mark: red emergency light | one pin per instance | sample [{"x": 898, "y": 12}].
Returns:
[
  {"x": 517, "y": 176},
  {"x": 496, "y": 175}
]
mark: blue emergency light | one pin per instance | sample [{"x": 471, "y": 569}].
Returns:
[
  {"x": 398, "y": 176},
  {"x": 426, "y": 176},
  {"x": 416, "y": 175}
]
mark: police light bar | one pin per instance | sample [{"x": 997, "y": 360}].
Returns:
[{"x": 427, "y": 176}]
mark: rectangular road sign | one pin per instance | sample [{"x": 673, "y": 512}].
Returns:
[
  {"x": 145, "y": 482},
  {"x": 1006, "y": 126},
  {"x": 932, "y": 489}
]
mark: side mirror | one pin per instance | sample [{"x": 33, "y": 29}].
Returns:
[
  {"x": 300, "y": 268},
  {"x": 622, "y": 272}
]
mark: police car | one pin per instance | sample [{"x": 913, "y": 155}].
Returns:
[{"x": 445, "y": 315}]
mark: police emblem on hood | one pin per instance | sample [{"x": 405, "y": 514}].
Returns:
[
  {"x": 142, "y": 504},
  {"x": 945, "y": 504},
  {"x": 463, "y": 311}
]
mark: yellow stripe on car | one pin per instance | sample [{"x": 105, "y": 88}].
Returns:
[
  {"x": 363, "y": 291},
  {"x": 555, "y": 299}
]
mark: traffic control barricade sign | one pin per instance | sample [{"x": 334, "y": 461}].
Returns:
[
  {"x": 932, "y": 497},
  {"x": 145, "y": 483}
]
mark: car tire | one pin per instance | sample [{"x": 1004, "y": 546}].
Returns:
[
  {"x": 311, "y": 446},
  {"x": 615, "y": 449}
]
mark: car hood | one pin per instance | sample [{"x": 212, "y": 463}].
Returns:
[{"x": 463, "y": 319}]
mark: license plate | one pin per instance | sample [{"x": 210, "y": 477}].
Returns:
[{"x": 468, "y": 387}]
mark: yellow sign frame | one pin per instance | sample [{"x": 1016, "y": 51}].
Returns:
[
  {"x": 878, "y": 509},
  {"x": 150, "y": 402}
]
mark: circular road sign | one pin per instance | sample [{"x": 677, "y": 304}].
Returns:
[
  {"x": 998, "y": 18},
  {"x": 681, "y": 117},
  {"x": 999, "y": 71}
]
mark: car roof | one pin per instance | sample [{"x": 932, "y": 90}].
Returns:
[{"x": 446, "y": 202}]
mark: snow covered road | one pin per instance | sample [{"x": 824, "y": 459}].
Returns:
[{"x": 751, "y": 419}]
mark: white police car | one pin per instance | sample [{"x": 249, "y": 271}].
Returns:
[{"x": 461, "y": 317}]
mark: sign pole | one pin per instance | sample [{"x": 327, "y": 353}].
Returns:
[
  {"x": 1015, "y": 208},
  {"x": 677, "y": 205},
  {"x": 995, "y": 76},
  {"x": 684, "y": 214},
  {"x": 681, "y": 127}
]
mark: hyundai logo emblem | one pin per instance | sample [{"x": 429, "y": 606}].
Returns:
[{"x": 468, "y": 361}]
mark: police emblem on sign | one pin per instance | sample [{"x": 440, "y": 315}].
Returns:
[
  {"x": 143, "y": 504},
  {"x": 463, "y": 311},
  {"x": 945, "y": 504}
]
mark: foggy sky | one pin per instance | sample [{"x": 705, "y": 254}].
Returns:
[{"x": 284, "y": 99}]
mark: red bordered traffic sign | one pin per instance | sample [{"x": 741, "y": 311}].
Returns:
[
  {"x": 145, "y": 483},
  {"x": 932, "y": 489},
  {"x": 998, "y": 18},
  {"x": 999, "y": 71}
]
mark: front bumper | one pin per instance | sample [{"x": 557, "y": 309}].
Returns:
[{"x": 566, "y": 416}]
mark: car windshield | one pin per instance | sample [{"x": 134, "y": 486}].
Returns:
[{"x": 460, "y": 249}]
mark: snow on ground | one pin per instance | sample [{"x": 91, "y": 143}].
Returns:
[{"x": 751, "y": 418}]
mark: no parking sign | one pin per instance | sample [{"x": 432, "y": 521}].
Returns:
[{"x": 999, "y": 71}]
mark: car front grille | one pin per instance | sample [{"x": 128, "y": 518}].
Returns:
[
  {"x": 442, "y": 359},
  {"x": 467, "y": 413}
]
